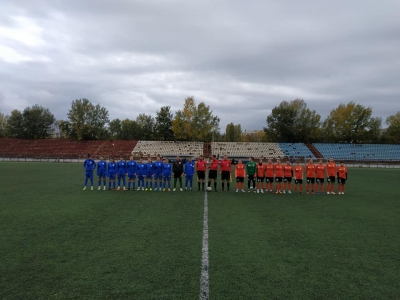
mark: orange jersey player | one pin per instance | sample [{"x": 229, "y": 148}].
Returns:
[
  {"x": 310, "y": 175},
  {"x": 342, "y": 177},
  {"x": 298, "y": 177},
  {"x": 331, "y": 171},
  {"x": 269, "y": 175},
  {"x": 320, "y": 177},
  {"x": 260, "y": 176},
  {"x": 240, "y": 174},
  {"x": 278, "y": 168},
  {"x": 287, "y": 177}
]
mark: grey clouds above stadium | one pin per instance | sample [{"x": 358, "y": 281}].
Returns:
[{"x": 240, "y": 57}]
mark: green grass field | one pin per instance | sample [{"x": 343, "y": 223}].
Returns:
[{"x": 59, "y": 242}]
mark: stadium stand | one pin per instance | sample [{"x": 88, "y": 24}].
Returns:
[
  {"x": 244, "y": 149},
  {"x": 296, "y": 150},
  {"x": 380, "y": 152},
  {"x": 165, "y": 148},
  {"x": 61, "y": 148}
]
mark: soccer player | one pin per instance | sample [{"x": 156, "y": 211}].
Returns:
[
  {"x": 102, "y": 173},
  {"x": 320, "y": 177},
  {"x": 342, "y": 177},
  {"x": 177, "y": 169},
  {"x": 189, "y": 172},
  {"x": 251, "y": 173},
  {"x": 269, "y": 175},
  {"x": 226, "y": 167},
  {"x": 112, "y": 170},
  {"x": 149, "y": 174},
  {"x": 167, "y": 173},
  {"x": 331, "y": 171},
  {"x": 298, "y": 177},
  {"x": 131, "y": 168},
  {"x": 140, "y": 173},
  {"x": 158, "y": 169},
  {"x": 310, "y": 175},
  {"x": 278, "y": 168},
  {"x": 201, "y": 167},
  {"x": 260, "y": 176},
  {"x": 240, "y": 174},
  {"x": 212, "y": 173},
  {"x": 287, "y": 177},
  {"x": 121, "y": 172},
  {"x": 89, "y": 165}
]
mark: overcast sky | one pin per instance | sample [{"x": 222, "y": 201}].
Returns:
[{"x": 240, "y": 57}]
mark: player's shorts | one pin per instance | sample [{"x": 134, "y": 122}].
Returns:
[
  {"x": 331, "y": 179},
  {"x": 341, "y": 180},
  {"x": 251, "y": 177},
  {"x": 141, "y": 177},
  {"x": 225, "y": 175},
  {"x": 278, "y": 179},
  {"x": 158, "y": 176},
  {"x": 89, "y": 174},
  {"x": 287, "y": 179},
  {"x": 212, "y": 174},
  {"x": 121, "y": 174},
  {"x": 111, "y": 176},
  {"x": 177, "y": 175},
  {"x": 298, "y": 181},
  {"x": 167, "y": 178},
  {"x": 131, "y": 176},
  {"x": 310, "y": 180},
  {"x": 102, "y": 174},
  {"x": 260, "y": 179},
  {"x": 149, "y": 175},
  {"x": 239, "y": 179},
  {"x": 269, "y": 179},
  {"x": 201, "y": 175},
  {"x": 189, "y": 177},
  {"x": 320, "y": 180}
]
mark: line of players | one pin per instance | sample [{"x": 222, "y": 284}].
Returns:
[{"x": 260, "y": 176}]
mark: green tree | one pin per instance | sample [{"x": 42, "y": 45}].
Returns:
[
  {"x": 114, "y": 129},
  {"x": 392, "y": 133},
  {"x": 195, "y": 122},
  {"x": 163, "y": 124},
  {"x": 14, "y": 126},
  {"x": 352, "y": 122},
  {"x": 292, "y": 121},
  {"x": 3, "y": 125},
  {"x": 130, "y": 130},
  {"x": 37, "y": 122},
  {"x": 233, "y": 133},
  {"x": 86, "y": 121},
  {"x": 146, "y": 125}
]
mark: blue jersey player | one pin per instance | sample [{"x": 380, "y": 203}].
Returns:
[
  {"x": 102, "y": 173},
  {"x": 140, "y": 172},
  {"x": 121, "y": 172},
  {"x": 149, "y": 175},
  {"x": 157, "y": 170},
  {"x": 167, "y": 173},
  {"x": 112, "y": 171},
  {"x": 189, "y": 172},
  {"x": 89, "y": 165},
  {"x": 131, "y": 168}
]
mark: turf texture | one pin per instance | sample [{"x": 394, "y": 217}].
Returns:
[{"x": 59, "y": 242}]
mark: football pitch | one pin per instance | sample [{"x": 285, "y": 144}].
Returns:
[{"x": 59, "y": 242}]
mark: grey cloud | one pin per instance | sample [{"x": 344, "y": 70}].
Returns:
[{"x": 242, "y": 59}]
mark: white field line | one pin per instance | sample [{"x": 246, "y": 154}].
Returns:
[{"x": 204, "y": 278}]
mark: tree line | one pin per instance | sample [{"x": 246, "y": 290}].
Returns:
[{"x": 290, "y": 121}]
